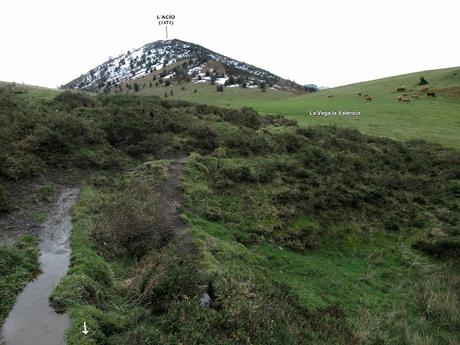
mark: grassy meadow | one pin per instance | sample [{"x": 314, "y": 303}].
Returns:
[{"x": 434, "y": 119}]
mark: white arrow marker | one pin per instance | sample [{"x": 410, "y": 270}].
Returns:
[{"x": 85, "y": 331}]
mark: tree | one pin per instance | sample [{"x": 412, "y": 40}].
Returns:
[
  {"x": 195, "y": 91},
  {"x": 422, "y": 81},
  {"x": 220, "y": 88},
  {"x": 166, "y": 95},
  {"x": 136, "y": 87},
  {"x": 263, "y": 86},
  {"x": 171, "y": 93},
  {"x": 168, "y": 83}
]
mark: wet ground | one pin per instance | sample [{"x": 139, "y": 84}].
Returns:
[{"x": 32, "y": 321}]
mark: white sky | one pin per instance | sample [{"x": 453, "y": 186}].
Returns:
[{"x": 326, "y": 42}]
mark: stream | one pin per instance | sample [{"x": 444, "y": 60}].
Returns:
[{"x": 32, "y": 321}]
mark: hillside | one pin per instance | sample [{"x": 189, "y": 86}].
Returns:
[
  {"x": 432, "y": 119},
  {"x": 206, "y": 225},
  {"x": 161, "y": 62}
]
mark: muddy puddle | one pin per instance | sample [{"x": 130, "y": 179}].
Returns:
[{"x": 32, "y": 321}]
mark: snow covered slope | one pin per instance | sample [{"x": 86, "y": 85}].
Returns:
[{"x": 196, "y": 62}]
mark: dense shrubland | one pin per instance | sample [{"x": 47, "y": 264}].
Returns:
[{"x": 261, "y": 196}]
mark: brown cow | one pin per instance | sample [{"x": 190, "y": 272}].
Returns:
[
  {"x": 401, "y": 89},
  {"x": 431, "y": 94},
  {"x": 368, "y": 98},
  {"x": 330, "y": 96},
  {"x": 424, "y": 89}
]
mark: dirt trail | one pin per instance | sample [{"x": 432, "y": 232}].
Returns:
[
  {"x": 32, "y": 320},
  {"x": 171, "y": 191}
]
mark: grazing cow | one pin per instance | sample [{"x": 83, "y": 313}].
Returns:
[
  {"x": 330, "y": 96},
  {"x": 431, "y": 94},
  {"x": 414, "y": 96},
  {"x": 360, "y": 94},
  {"x": 404, "y": 95},
  {"x": 401, "y": 89},
  {"x": 407, "y": 100},
  {"x": 368, "y": 98},
  {"x": 399, "y": 98},
  {"x": 424, "y": 89}
]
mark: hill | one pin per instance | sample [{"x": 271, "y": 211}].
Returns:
[
  {"x": 432, "y": 119},
  {"x": 174, "y": 60},
  {"x": 294, "y": 235}
]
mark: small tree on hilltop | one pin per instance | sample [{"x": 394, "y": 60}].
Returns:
[
  {"x": 220, "y": 88},
  {"x": 136, "y": 87},
  {"x": 422, "y": 81},
  {"x": 263, "y": 86}
]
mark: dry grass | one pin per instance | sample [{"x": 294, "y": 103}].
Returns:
[{"x": 132, "y": 222}]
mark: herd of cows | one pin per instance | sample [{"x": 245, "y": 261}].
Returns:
[{"x": 404, "y": 97}]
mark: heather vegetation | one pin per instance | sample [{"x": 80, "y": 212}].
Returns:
[{"x": 319, "y": 235}]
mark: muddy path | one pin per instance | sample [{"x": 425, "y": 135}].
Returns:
[
  {"x": 32, "y": 320},
  {"x": 171, "y": 191}
]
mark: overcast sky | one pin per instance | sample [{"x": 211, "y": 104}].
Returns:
[{"x": 326, "y": 42}]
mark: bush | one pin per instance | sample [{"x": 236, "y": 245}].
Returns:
[
  {"x": 220, "y": 88},
  {"x": 203, "y": 137},
  {"x": 167, "y": 276},
  {"x": 440, "y": 248},
  {"x": 422, "y": 81},
  {"x": 132, "y": 222},
  {"x": 70, "y": 100},
  {"x": 245, "y": 142},
  {"x": 245, "y": 117}
]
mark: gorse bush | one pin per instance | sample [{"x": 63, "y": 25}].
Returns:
[
  {"x": 132, "y": 222},
  {"x": 167, "y": 276},
  {"x": 245, "y": 117},
  {"x": 70, "y": 100}
]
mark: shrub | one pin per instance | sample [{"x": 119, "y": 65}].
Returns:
[
  {"x": 70, "y": 100},
  {"x": 220, "y": 88},
  {"x": 245, "y": 142},
  {"x": 441, "y": 248},
  {"x": 422, "y": 81},
  {"x": 203, "y": 137},
  {"x": 245, "y": 117},
  {"x": 132, "y": 222},
  {"x": 167, "y": 276}
]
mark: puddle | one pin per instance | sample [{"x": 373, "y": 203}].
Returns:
[{"x": 32, "y": 321}]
